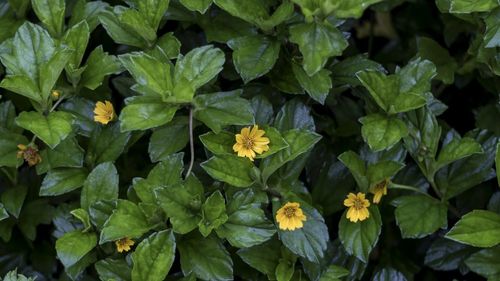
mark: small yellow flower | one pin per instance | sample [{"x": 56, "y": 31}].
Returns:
[
  {"x": 104, "y": 112},
  {"x": 249, "y": 142},
  {"x": 358, "y": 207},
  {"x": 55, "y": 94},
  {"x": 290, "y": 216},
  {"x": 124, "y": 244},
  {"x": 29, "y": 154},
  {"x": 379, "y": 190}
]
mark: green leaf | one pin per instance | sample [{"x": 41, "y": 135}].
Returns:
[
  {"x": 143, "y": 113},
  {"x": 153, "y": 257},
  {"x": 83, "y": 110},
  {"x": 205, "y": 257},
  {"x": 466, "y": 173},
  {"x": 127, "y": 220},
  {"x": 492, "y": 35},
  {"x": 67, "y": 154},
  {"x": 34, "y": 64},
  {"x": 415, "y": 78},
  {"x": 456, "y": 150},
  {"x": 167, "y": 47},
  {"x": 317, "y": 43},
  {"x": 106, "y": 143},
  {"x": 447, "y": 255},
  {"x": 382, "y": 170},
  {"x": 119, "y": 32},
  {"x": 61, "y": 181},
  {"x": 51, "y": 129},
  {"x": 445, "y": 64},
  {"x": 309, "y": 241},
  {"x": 419, "y": 215},
  {"x": 111, "y": 269},
  {"x": 478, "y": 228},
  {"x": 197, "y": 5},
  {"x": 253, "y": 11},
  {"x": 470, "y": 6},
  {"x": 361, "y": 237},
  {"x": 168, "y": 139},
  {"x": 264, "y": 257},
  {"x": 385, "y": 90},
  {"x": 231, "y": 169},
  {"x": 213, "y": 213},
  {"x": 254, "y": 55},
  {"x": 247, "y": 224},
  {"x": 284, "y": 270},
  {"x": 51, "y": 14},
  {"x": 84, "y": 218},
  {"x": 381, "y": 132},
  {"x": 334, "y": 273},
  {"x": 357, "y": 167},
  {"x": 300, "y": 141},
  {"x": 88, "y": 11},
  {"x": 13, "y": 199},
  {"x": 350, "y": 8},
  {"x": 152, "y": 10},
  {"x": 73, "y": 246},
  {"x": 182, "y": 203},
  {"x": 317, "y": 85},
  {"x": 101, "y": 184},
  {"x": 485, "y": 263},
  {"x": 497, "y": 161},
  {"x": 166, "y": 173},
  {"x": 3, "y": 212},
  {"x": 97, "y": 67},
  {"x": 223, "y": 108},
  {"x": 344, "y": 72},
  {"x": 7, "y": 116},
  {"x": 199, "y": 66},
  {"x": 219, "y": 143},
  {"x": 76, "y": 38},
  {"x": 8, "y": 148},
  {"x": 294, "y": 115},
  {"x": 152, "y": 75},
  {"x": 34, "y": 213}
]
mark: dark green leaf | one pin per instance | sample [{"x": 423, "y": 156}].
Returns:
[
  {"x": 360, "y": 238},
  {"x": 61, "y": 181},
  {"x": 101, "y": 184},
  {"x": 153, "y": 257},
  {"x": 478, "y": 228},
  {"x": 206, "y": 257},
  {"x": 51, "y": 129},
  {"x": 231, "y": 169},
  {"x": 254, "y": 55},
  {"x": 419, "y": 215},
  {"x": 220, "y": 109},
  {"x": 73, "y": 246}
]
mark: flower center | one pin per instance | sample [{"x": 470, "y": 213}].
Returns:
[
  {"x": 123, "y": 241},
  {"x": 358, "y": 204},
  {"x": 248, "y": 143},
  {"x": 380, "y": 185},
  {"x": 289, "y": 212}
]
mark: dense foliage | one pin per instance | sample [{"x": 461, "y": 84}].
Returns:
[{"x": 151, "y": 140}]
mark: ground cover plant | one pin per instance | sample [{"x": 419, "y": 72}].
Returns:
[{"x": 151, "y": 140}]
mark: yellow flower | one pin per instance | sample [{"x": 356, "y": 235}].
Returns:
[
  {"x": 358, "y": 207},
  {"x": 290, "y": 216},
  {"x": 104, "y": 112},
  {"x": 55, "y": 94},
  {"x": 249, "y": 142},
  {"x": 29, "y": 154},
  {"x": 124, "y": 244},
  {"x": 379, "y": 190}
]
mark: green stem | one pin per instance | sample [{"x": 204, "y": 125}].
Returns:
[
  {"x": 406, "y": 187},
  {"x": 191, "y": 142}
]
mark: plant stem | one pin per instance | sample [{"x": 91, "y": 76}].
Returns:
[
  {"x": 406, "y": 187},
  {"x": 191, "y": 142}
]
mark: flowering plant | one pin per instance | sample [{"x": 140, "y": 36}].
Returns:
[{"x": 151, "y": 140}]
